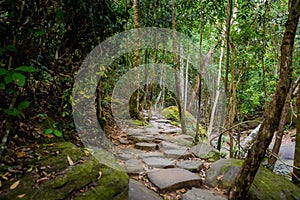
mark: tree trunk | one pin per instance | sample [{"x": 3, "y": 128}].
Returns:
[
  {"x": 296, "y": 170},
  {"x": 176, "y": 70},
  {"x": 196, "y": 138},
  {"x": 134, "y": 107},
  {"x": 256, "y": 154},
  {"x": 272, "y": 159}
]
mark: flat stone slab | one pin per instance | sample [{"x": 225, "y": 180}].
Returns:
[
  {"x": 162, "y": 121},
  {"x": 191, "y": 165},
  {"x": 184, "y": 137},
  {"x": 177, "y": 153},
  {"x": 169, "y": 146},
  {"x": 138, "y": 191},
  {"x": 170, "y": 131},
  {"x": 173, "y": 179},
  {"x": 159, "y": 162},
  {"x": 124, "y": 156},
  {"x": 146, "y": 146},
  {"x": 134, "y": 166},
  {"x": 152, "y": 154},
  {"x": 139, "y": 138},
  {"x": 201, "y": 194}
]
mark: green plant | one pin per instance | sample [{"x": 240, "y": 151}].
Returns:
[{"x": 51, "y": 126}]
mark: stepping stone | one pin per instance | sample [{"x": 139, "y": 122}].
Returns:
[
  {"x": 138, "y": 138},
  {"x": 201, "y": 194},
  {"x": 123, "y": 141},
  {"x": 152, "y": 154},
  {"x": 184, "y": 137},
  {"x": 124, "y": 156},
  {"x": 173, "y": 179},
  {"x": 134, "y": 166},
  {"x": 158, "y": 162},
  {"x": 163, "y": 121},
  {"x": 177, "y": 153},
  {"x": 191, "y": 165},
  {"x": 138, "y": 191},
  {"x": 146, "y": 146},
  {"x": 168, "y": 146},
  {"x": 170, "y": 131}
]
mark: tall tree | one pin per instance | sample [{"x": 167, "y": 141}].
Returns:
[{"x": 256, "y": 154}]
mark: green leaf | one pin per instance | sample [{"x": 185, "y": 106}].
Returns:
[
  {"x": 42, "y": 115},
  {"x": 2, "y": 86},
  {"x": 18, "y": 78},
  {"x": 13, "y": 112},
  {"x": 57, "y": 133},
  {"x": 48, "y": 131},
  {"x": 8, "y": 78},
  {"x": 3, "y": 71},
  {"x": 25, "y": 69},
  {"x": 23, "y": 104}
]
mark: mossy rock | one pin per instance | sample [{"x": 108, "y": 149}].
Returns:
[
  {"x": 55, "y": 155},
  {"x": 172, "y": 113},
  {"x": 96, "y": 176},
  {"x": 266, "y": 185}
]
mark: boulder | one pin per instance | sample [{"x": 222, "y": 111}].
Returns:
[
  {"x": 266, "y": 185},
  {"x": 205, "y": 151},
  {"x": 138, "y": 191}
]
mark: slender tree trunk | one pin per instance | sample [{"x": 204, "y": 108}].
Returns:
[
  {"x": 296, "y": 170},
  {"x": 228, "y": 25},
  {"x": 196, "y": 138},
  {"x": 256, "y": 154},
  {"x": 176, "y": 70},
  {"x": 272, "y": 159}
]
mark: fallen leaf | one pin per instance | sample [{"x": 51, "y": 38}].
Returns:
[
  {"x": 220, "y": 177},
  {"x": 21, "y": 196},
  {"x": 100, "y": 174},
  {"x": 71, "y": 163},
  {"x": 86, "y": 152},
  {"x": 0, "y": 184},
  {"x": 21, "y": 154},
  {"x": 42, "y": 179},
  {"x": 14, "y": 185},
  {"x": 4, "y": 175}
]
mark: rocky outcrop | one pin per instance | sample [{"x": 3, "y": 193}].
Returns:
[{"x": 266, "y": 185}]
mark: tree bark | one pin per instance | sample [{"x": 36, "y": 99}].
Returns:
[
  {"x": 256, "y": 154},
  {"x": 296, "y": 170},
  {"x": 176, "y": 70}
]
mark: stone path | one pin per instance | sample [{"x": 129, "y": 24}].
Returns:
[{"x": 162, "y": 154}]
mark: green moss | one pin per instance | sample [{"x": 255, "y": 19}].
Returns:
[
  {"x": 139, "y": 123},
  {"x": 171, "y": 113}
]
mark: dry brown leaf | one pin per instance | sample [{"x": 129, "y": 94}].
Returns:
[
  {"x": 21, "y": 196},
  {"x": 14, "y": 185},
  {"x": 20, "y": 154},
  {"x": 42, "y": 179},
  {"x": 71, "y": 163}
]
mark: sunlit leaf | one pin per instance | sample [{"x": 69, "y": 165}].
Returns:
[
  {"x": 48, "y": 131},
  {"x": 18, "y": 78},
  {"x": 70, "y": 161},
  {"x": 14, "y": 185},
  {"x": 21, "y": 196},
  {"x": 57, "y": 133}
]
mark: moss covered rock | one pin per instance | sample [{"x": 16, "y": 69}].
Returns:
[
  {"x": 172, "y": 113},
  {"x": 88, "y": 178},
  {"x": 266, "y": 185}
]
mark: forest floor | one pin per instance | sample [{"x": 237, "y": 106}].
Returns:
[{"x": 141, "y": 149}]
